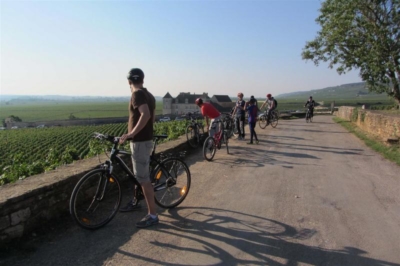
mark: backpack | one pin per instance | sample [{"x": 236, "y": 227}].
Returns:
[{"x": 276, "y": 103}]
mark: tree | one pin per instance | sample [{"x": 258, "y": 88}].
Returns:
[
  {"x": 13, "y": 118},
  {"x": 364, "y": 35}
]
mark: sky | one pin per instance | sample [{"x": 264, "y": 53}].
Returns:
[{"x": 86, "y": 48}]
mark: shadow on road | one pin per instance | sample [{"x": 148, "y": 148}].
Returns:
[{"x": 214, "y": 233}]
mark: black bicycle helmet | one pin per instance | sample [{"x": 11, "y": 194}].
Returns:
[{"x": 136, "y": 75}]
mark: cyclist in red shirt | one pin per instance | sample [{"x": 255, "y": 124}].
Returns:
[{"x": 209, "y": 112}]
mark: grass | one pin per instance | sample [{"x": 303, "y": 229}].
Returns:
[
  {"x": 391, "y": 153},
  {"x": 60, "y": 111}
]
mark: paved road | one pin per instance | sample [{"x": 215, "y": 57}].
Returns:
[{"x": 309, "y": 194}]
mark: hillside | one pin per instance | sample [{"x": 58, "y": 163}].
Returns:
[{"x": 347, "y": 91}]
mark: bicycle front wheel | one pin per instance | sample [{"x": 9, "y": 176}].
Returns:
[
  {"x": 262, "y": 121},
  {"x": 192, "y": 136},
  {"x": 209, "y": 148},
  {"x": 95, "y": 199},
  {"x": 172, "y": 182}
]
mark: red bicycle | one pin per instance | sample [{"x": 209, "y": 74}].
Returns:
[{"x": 211, "y": 144}]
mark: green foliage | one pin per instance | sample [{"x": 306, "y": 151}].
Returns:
[
  {"x": 71, "y": 117},
  {"x": 14, "y": 118},
  {"x": 354, "y": 115},
  {"x": 32, "y": 151},
  {"x": 48, "y": 111},
  {"x": 360, "y": 34}
]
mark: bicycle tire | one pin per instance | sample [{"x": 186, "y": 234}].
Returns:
[
  {"x": 209, "y": 147},
  {"x": 172, "y": 182},
  {"x": 307, "y": 116},
  {"x": 88, "y": 199},
  {"x": 192, "y": 136},
  {"x": 274, "y": 120},
  {"x": 226, "y": 142},
  {"x": 311, "y": 118},
  {"x": 262, "y": 122}
]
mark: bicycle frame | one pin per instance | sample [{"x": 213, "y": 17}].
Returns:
[{"x": 114, "y": 158}]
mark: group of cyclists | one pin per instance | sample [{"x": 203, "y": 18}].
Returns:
[
  {"x": 140, "y": 132},
  {"x": 209, "y": 112}
]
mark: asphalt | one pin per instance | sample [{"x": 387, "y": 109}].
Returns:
[{"x": 308, "y": 194}]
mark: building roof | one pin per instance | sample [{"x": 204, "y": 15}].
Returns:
[
  {"x": 191, "y": 97},
  {"x": 167, "y": 96},
  {"x": 223, "y": 98}
]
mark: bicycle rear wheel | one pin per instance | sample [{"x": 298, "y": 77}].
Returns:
[
  {"x": 262, "y": 122},
  {"x": 192, "y": 136},
  {"x": 209, "y": 148},
  {"x": 172, "y": 182},
  {"x": 274, "y": 120},
  {"x": 95, "y": 199}
]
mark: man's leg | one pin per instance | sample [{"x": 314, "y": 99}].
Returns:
[
  {"x": 141, "y": 159},
  {"x": 242, "y": 125},
  {"x": 269, "y": 115},
  {"x": 148, "y": 192},
  {"x": 238, "y": 127}
]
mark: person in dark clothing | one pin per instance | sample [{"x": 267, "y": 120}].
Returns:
[
  {"x": 251, "y": 108},
  {"x": 311, "y": 104},
  {"x": 140, "y": 134}
]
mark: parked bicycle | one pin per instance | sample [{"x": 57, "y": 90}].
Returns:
[
  {"x": 309, "y": 116},
  {"x": 230, "y": 125},
  {"x": 96, "y": 197},
  {"x": 211, "y": 144},
  {"x": 262, "y": 119},
  {"x": 194, "y": 132}
]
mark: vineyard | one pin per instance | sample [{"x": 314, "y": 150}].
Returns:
[{"x": 30, "y": 151}]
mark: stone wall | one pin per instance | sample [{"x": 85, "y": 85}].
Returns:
[
  {"x": 345, "y": 112},
  {"x": 30, "y": 203},
  {"x": 384, "y": 126}
]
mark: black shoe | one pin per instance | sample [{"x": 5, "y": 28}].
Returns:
[
  {"x": 131, "y": 206},
  {"x": 147, "y": 221}
]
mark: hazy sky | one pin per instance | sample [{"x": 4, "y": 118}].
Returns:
[{"x": 219, "y": 47}]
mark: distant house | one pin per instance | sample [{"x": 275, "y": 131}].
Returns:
[{"x": 185, "y": 103}]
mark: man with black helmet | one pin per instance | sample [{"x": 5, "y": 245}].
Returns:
[
  {"x": 311, "y": 105},
  {"x": 140, "y": 133}
]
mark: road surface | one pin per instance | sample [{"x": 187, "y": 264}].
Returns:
[{"x": 308, "y": 194}]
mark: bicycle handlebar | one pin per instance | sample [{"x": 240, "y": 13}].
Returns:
[{"x": 114, "y": 139}]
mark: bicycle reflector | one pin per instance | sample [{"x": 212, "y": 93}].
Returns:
[
  {"x": 183, "y": 191},
  {"x": 85, "y": 220},
  {"x": 158, "y": 176},
  {"x": 111, "y": 180}
]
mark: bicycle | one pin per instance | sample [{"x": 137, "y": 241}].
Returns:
[
  {"x": 211, "y": 144},
  {"x": 96, "y": 197},
  {"x": 263, "y": 121},
  {"x": 309, "y": 117},
  {"x": 194, "y": 132},
  {"x": 230, "y": 125}
]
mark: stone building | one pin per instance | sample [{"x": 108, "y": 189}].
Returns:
[{"x": 185, "y": 103}]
